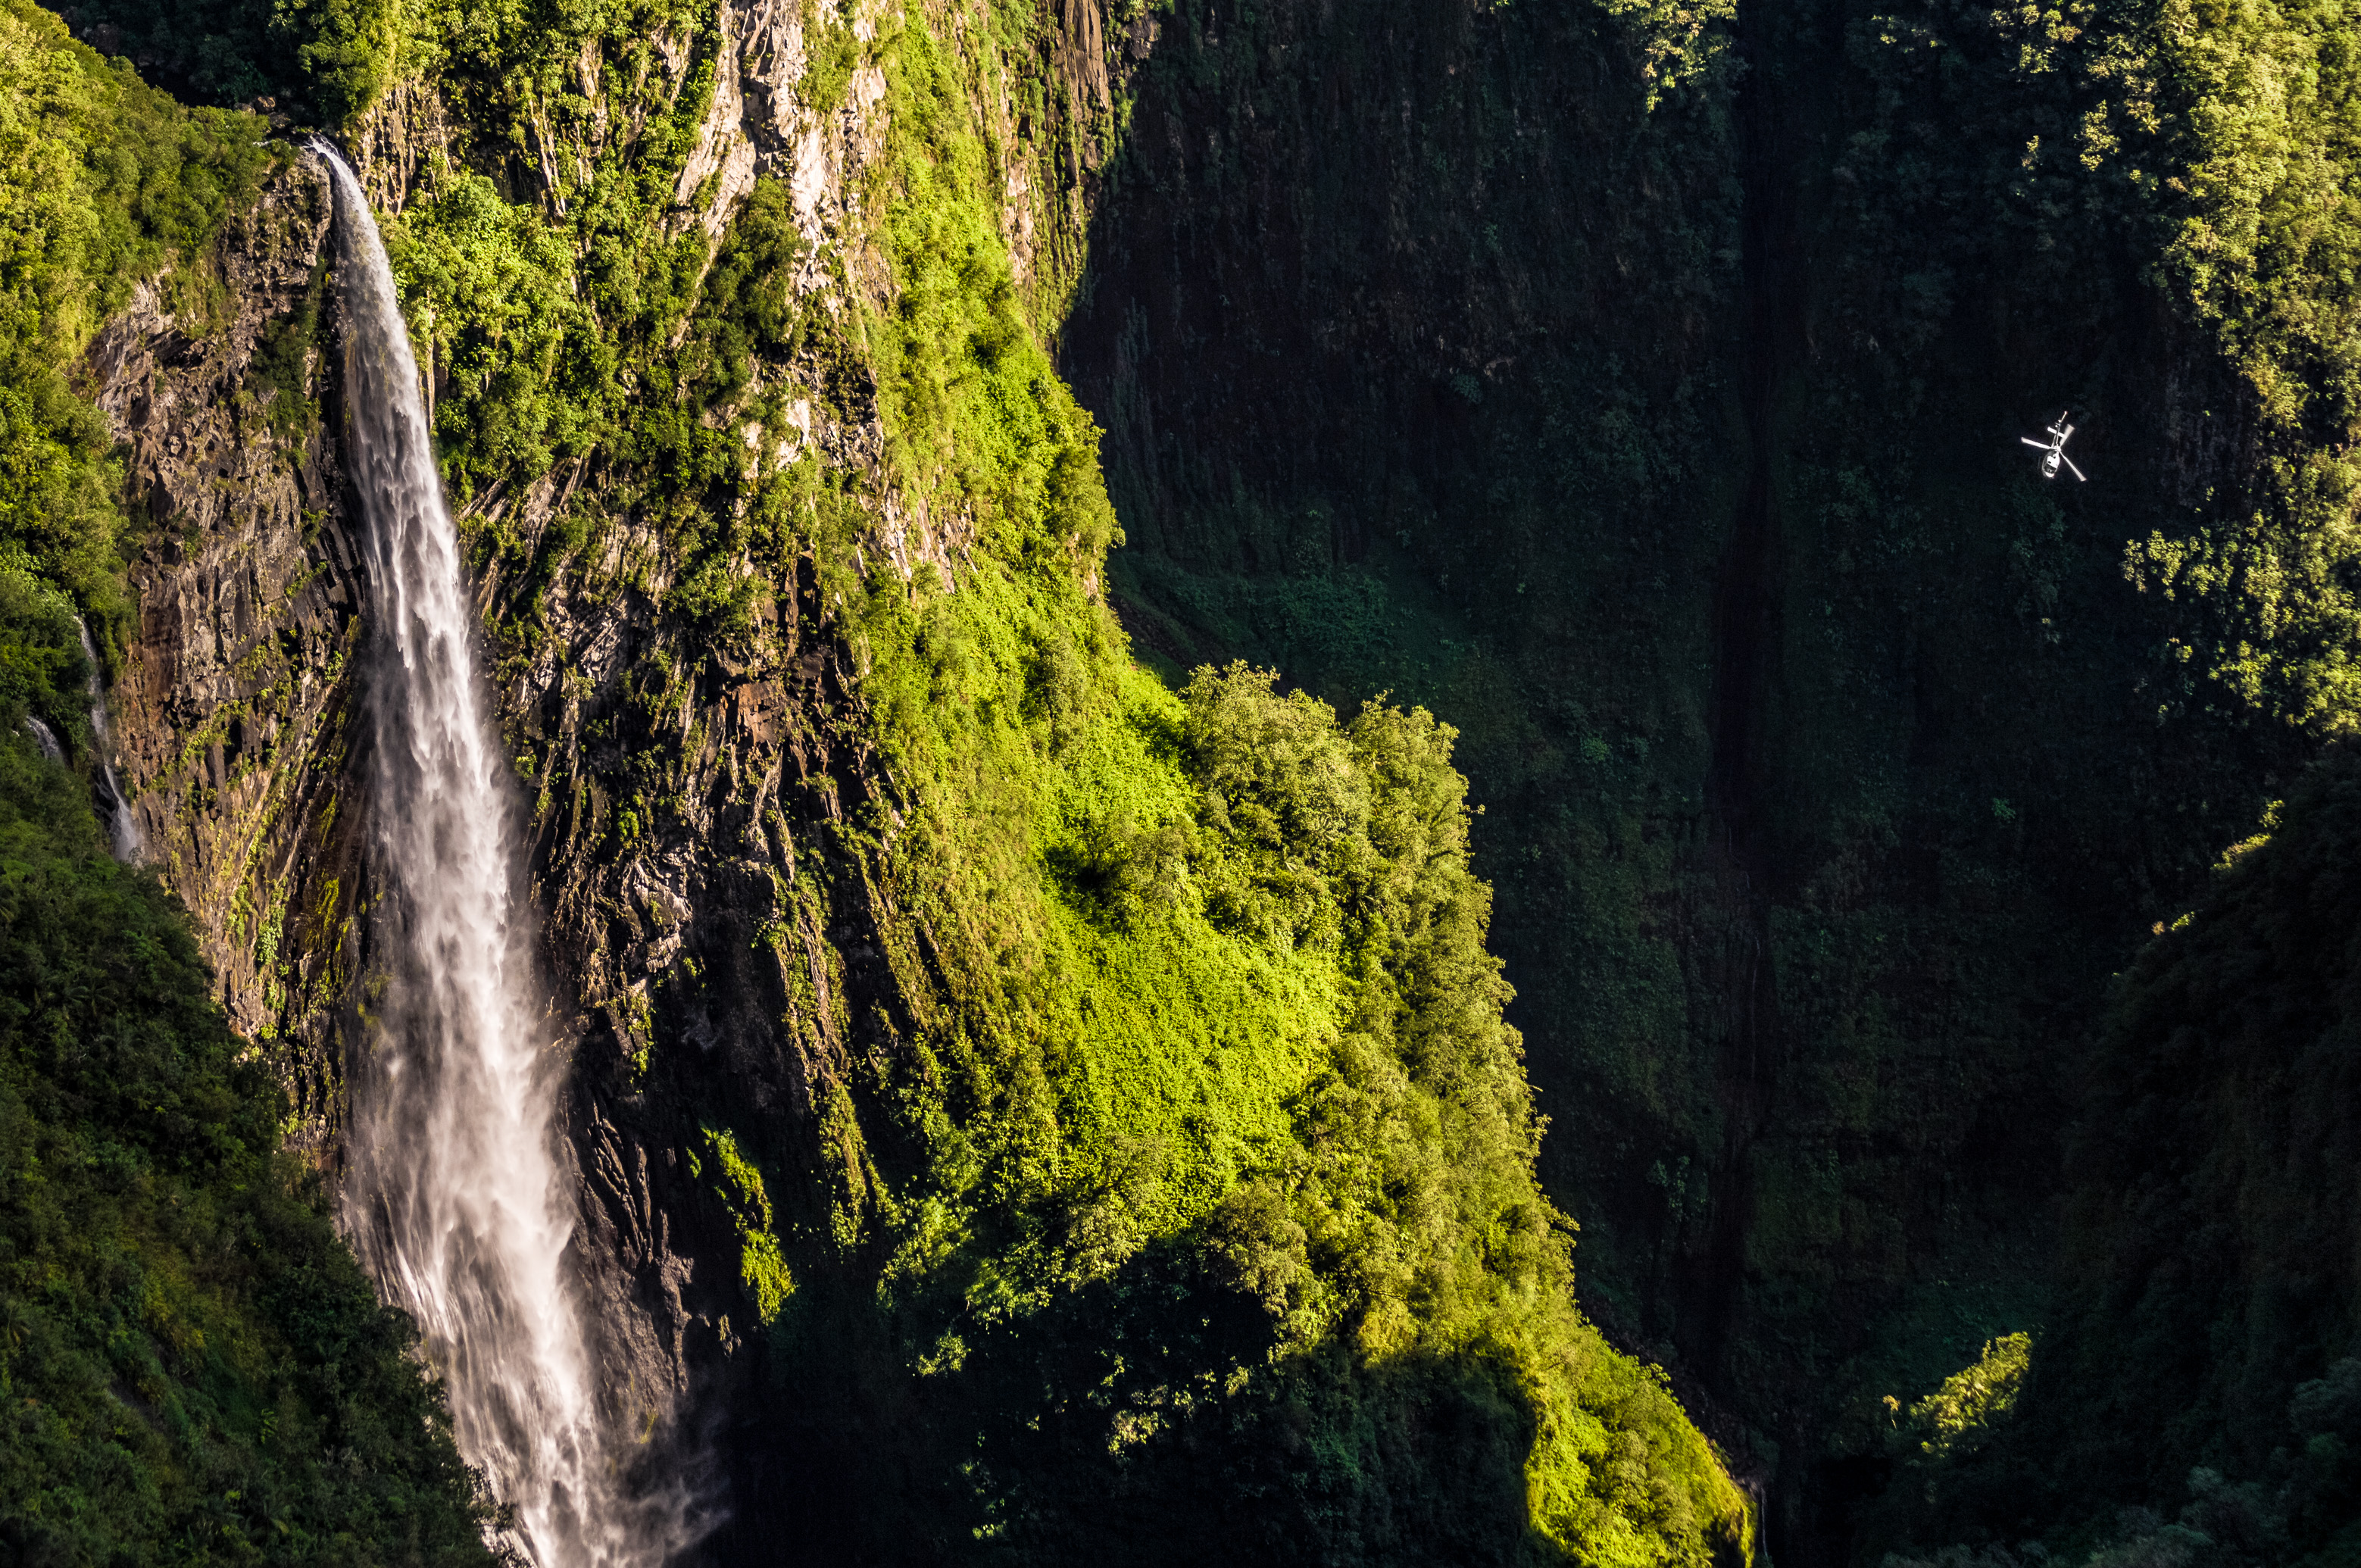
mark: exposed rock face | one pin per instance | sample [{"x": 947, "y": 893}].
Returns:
[{"x": 234, "y": 698}]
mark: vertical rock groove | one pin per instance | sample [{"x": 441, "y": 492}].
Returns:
[{"x": 1745, "y": 656}]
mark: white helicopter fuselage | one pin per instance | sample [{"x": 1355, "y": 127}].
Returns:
[{"x": 2053, "y": 451}]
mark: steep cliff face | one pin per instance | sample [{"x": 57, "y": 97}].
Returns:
[
  {"x": 1014, "y": 1105},
  {"x": 236, "y": 699},
  {"x": 2199, "y": 1366},
  {"x": 233, "y": 699}
]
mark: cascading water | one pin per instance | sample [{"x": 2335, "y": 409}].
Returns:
[
  {"x": 122, "y": 823},
  {"x": 457, "y": 1192},
  {"x": 46, "y": 738}
]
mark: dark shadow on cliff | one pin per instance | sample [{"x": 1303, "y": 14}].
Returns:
[
  {"x": 1138, "y": 1418},
  {"x": 1432, "y": 361},
  {"x": 2197, "y": 1369}
]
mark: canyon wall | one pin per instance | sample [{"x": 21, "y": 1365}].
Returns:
[
  {"x": 1667, "y": 441},
  {"x": 987, "y": 1130},
  {"x": 1638, "y": 390}
]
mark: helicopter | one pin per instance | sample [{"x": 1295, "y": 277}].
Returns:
[{"x": 2053, "y": 451}]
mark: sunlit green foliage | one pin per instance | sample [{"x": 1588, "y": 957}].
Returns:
[
  {"x": 192, "y": 1367},
  {"x": 1243, "y": 1037},
  {"x": 104, "y": 180},
  {"x": 1680, "y": 42},
  {"x": 594, "y": 330},
  {"x": 2239, "y": 125},
  {"x": 760, "y": 1265},
  {"x": 973, "y": 408},
  {"x": 1956, "y": 1415},
  {"x": 550, "y": 319}
]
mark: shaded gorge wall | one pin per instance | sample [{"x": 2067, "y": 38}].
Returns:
[{"x": 1829, "y": 761}]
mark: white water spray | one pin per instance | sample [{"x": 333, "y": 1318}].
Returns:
[
  {"x": 458, "y": 1193},
  {"x": 122, "y": 825}
]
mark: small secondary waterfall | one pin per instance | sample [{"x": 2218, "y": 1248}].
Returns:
[
  {"x": 46, "y": 738},
  {"x": 122, "y": 823},
  {"x": 458, "y": 1193}
]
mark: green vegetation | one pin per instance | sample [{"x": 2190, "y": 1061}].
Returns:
[
  {"x": 1681, "y": 41},
  {"x": 2200, "y": 1369},
  {"x": 1462, "y": 401},
  {"x": 551, "y": 319},
  {"x": 104, "y": 182},
  {"x": 2214, "y": 1255},
  {"x": 1948, "y": 1422},
  {"x": 322, "y": 62},
  {"x": 760, "y": 1267},
  {"x": 1153, "y": 1129},
  {"x": 1205, "y": 1101},
  {"x": 1184, "y": 1145},
  {"x": 2239, "y": 125},
  {"x": 1170, "y": 1139},
  {"x": 1138, "y": 1057},
  {"x": 192, "y": 1367}
]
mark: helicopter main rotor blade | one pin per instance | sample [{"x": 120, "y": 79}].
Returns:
[
  {"x": 2077, "y": 472},
  {"x": 2037, "y": 445}
]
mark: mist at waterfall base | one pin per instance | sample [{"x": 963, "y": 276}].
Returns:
[{"x": 458, "y": 1190}]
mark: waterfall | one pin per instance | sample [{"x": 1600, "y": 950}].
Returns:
[
  {"x": 458, "y": 1190},
  {"x": 125, "y": 827}
]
